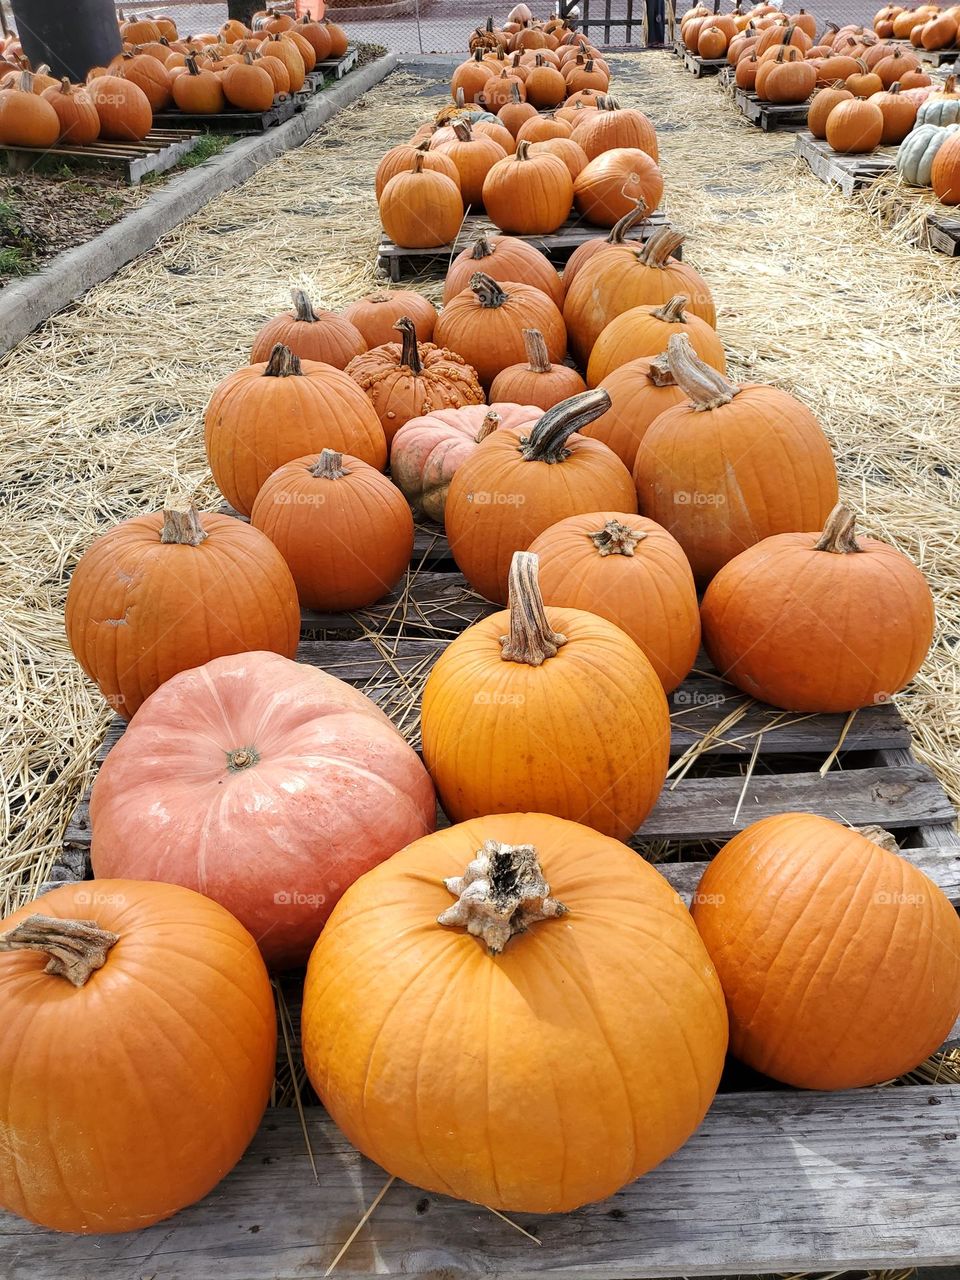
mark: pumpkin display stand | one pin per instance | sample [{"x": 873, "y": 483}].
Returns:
[
  {"x": 285, "y": 107},
  {"x": 769, "y": 116},
  {"x": 558, "y": 245},
  {"x": 775, "y": 1180},
  {"x": 159, "y": 151},
  {"x": 703, "y": 66},
  {"x": 852, "y": 173},
  {"x": 337, "y": 68}
]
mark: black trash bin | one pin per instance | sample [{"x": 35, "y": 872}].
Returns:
[{"x": 70, "y": 36}]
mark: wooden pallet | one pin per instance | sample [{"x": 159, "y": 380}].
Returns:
[
  {"x": 703, "y": 66},
  {"x": 774, "y": 1180},
  {"x": 159, "y": 151},
  {"x": 939, "y": 57},
  {"x": 943, "y": 234},
  {"x": 558, "y": 246},
  {"x": 769, "y": 116},
  {"x": 727, "y": 77},
  {"x": 284, "y": 108},
  {"x": 849, "y": 173},
  {"x": 337, "y": 68}
]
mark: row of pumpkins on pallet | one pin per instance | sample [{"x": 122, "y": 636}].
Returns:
[
  {"x": 527, "y": 170},
  {"x": 430, "y": 1010},
  {"x": 157, "y": 71},
  {"x": 927, "y": 27}
]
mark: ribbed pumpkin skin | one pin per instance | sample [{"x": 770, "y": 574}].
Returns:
[
  {"x": 723, "y": 479},
  {"x": 328, "y": 338},
  {"x": 611, "y": 184},
  {"x": 839, "y": 960},
  {"x": 145, "y": 1085},
  {"x": 491, "y": 338},
  {"x": 637, "y": 401},
  {"x": 335, "y": 791},
  {"x": 124, "y": 109},
  {"x": 650, "y": 594},
  {"x": 568, "y": 1002},
  {"x": 590, "y": 725},
  {"x": 375, "y": 314},
  {"x": 607, "y": 130},
  {"x": 511, "y": 259},
  {"x": 638, "y": 332},
  {"x": 473, "y": 158},
  {"x": 138, "y": 611},
  {"x": 254, "y": 424},
  {"x": 945, "y": 171},
  {"x": 421, "y": 210},
  {"x": 498, "y": 502},
  {"x": 530, "y": 195},
  {"x": 348, "y": 542},
  {"x": 816, "y": 630},
  {"x": 401, "y": 159},
  {"x": 79, "y": 122}
]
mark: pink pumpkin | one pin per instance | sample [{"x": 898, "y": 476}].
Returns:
[
  {"x": 265, "y": 784},
  {"x": 426, "y": 451}
]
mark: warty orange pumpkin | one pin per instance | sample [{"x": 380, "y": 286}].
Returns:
[
  {"x": 630, "y": 571},
  {"x": 732, "y": 465},
  {"x": 310, "y": 334},
  {"x": 267, "y": 785},
  {"x": 521, "y": 481},
  {"x": 639, "y": 392},
  {"x": 171, "y": 590},
  {"x": 154, "y": 1003},
  {"x": 630, "y": 1077},
  {"x": 535, "y": 684},
  {"x": 646, "y": 331},
  {"x": 270, "y": 413},
  {"x": 840, "y": 960},
  {"x": 819, "y": 622},
  {"x": 536, "y": 381},
  {"x": 503, "y": 258}
]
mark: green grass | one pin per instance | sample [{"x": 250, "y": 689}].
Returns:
[
  {"x": 13, "y": 262},
  {"x": 211, "y": 144},
  {"x": 16, "y": 245}
]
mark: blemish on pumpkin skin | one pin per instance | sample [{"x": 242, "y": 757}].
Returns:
[{"x": 114, "y": 622}]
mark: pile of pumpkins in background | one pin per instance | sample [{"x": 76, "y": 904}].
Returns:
[
  {"x": 532, "y": 133},
  {"x": 257, "y": 802},
  {"x": 926, "y": 27},
  {"x": 244, "y": 68}
]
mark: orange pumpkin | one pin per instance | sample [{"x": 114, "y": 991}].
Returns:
[
  {"x": 542, "y": 129},
  {"x": 899, "y": 115},
  {"x": 401, "y": 936},
  {"x": 566, "y": 150},
  {"x": 822, "y": 103},
  {"x": 197, "y": 91},
  {"x": 247, "y": 86},
  {"x": 150, "y": 75},
  {"x": 945, "y": 172},
  {"x": 639, "y": 392},
  {"x": 277, "y": 45},
  {"x": 530, "y": 684},
  {"x": 338, "y": 39},
  {"x": 123, "y": 107},
  {"x": 422, "y": 209},
  {"x": 646, "y": 331},
  {"x": 79, "y": 122},
  {"x": 528, "y": 194},
  {"x": 519, "y": 482},
  {"x": 515, "y": 112},
  {"x": 817, "y": 608},
  {"x": 630, "y": 571},
  {"x": 610, "y": 185},
  {"x": 26, "y": 118},
  {"x": 376, "y": 314},
  {"x": 469, "y": 77},
  {"x": 825, "y": 941},
  {"x": 503, "y": 258},
  {"x": 474, "y": 155},
  {"x": 173, "y": 990},
  {"x": 854, "y": 127},
  {"x": 310, "y": 334},
  {"x": 700, "y": 467},
  {"x": 401, "y": 160},
  {"x": 270, "y": 413},
  {"x": 537, "y": 381},
  {"x": 612, "y": 127},
  {"x": 164, "y": 592}
]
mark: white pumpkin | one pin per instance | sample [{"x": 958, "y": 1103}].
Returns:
[
  {"x": 942, "y": 106},
  {"x": 917, "y": 151}
]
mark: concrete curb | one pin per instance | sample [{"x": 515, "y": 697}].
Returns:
[{"x": 26, "y": 304}]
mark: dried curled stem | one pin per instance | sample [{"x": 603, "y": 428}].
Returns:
[
  {"x": 76, "y": 947},
  {"x": 531, "y": 640},
  {"x": 500, "y": 894}
]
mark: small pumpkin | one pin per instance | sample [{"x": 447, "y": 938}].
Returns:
[
  {"x": 519, "y": 482},
  {"x": 699, "y": 467},
  {"x": 825, "y": 941},
  {"x": 376, "y": 314},
  {"x": 945, "y": 171},
  {"x": 247, "y": 86},
  {"x": 545, "y": 85},
  {"x": 630, "y": 571},
  {"x": 26, "y": 118},
  {"x": 461, "y": 894},
  {"x": 896, "y": 64},
  {"x": 155, "y": 1002},
  {"x": 474, "y": 156},
  {"x": 401, "y": 160},
  {"x": 79, "y": 122},
  {"x": 611, "y": 185},
  {"x": 405, "y": 379},
  {"x": 542, "y": 129},
  {"x": 270, "y": 413},
  {"x": 427, "y": 451},
  {"x": 277, "y": 45},
  {"x": 198, "y": 91},
  {"x": 485, "y": 324},
  {"x": 469, "y": 77},
  {"x": 822, "y": 103},
  {"x": 517, "y": 680},
  {"x": 339, "y": 42},
  {"x": 164, "y": 592},
  {"x": 310, "y": 334},
  {"x": 421, "y": 209},
  {"x": 503, "y": 258},
  {"x": 537, "y": 381},
  {"x": 639, "y": 392},
  {"x": 854, "y": 127},
  {"x": 515, "y": 112},
  {"x": 646, "y": 331},
  {"x": 787, "y": 82},
  {"x": 528, "y": 194}
]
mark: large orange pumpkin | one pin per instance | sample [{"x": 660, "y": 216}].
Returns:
[
  {"x": 150, "y": 75},
  {"x": 513, "y": 702},
  {"x": 819, "y": 622},
  {"x": 421, "y": 208},
  {"x": 503, "y": 258},
  {"x": 375, "y": 315},
  {"x": 407, "y": 379},
  {"x": 639, "y": 392},
  {"x": 630, "y": 571},
  {"x": 124, "y": 109},
  {"x": 310, "y": 334},
  {"x": 536, "y": 381},
  {"x": 474, "y": 155},
  {"x": 26, "y": 119},
  {"x": 152, "y": 1007},
  {"x": 528, "y": 193},
  {"x": 167, "y": 591},
  {"x": 265, "y": 784},
  {"x": 267, "y": 414},
  {"x": 612, "y": 183},
  {"x": 732, "y": 465},
  {"x": 521, "y": 481},
  {"x": 401, "y": 159},
  {"x": 485, "y": 324},
  {"x": 616, "y": 235},
  {"x": 646, "y": 331},
  {"x": 79, "y": 122},
  {"x": 565, "y": 1088},
  {"x": 840, "y": 961},
  {"x": 612, "y": 126},
  {"x": 945, "y": 172}
]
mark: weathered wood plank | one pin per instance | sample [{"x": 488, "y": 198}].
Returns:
[
  {"x": 771, "y": 115},
  {"x": 772, "y": 1181},
  {"x": 438, "y": 604},
  {"x": 703, "y": 66}
]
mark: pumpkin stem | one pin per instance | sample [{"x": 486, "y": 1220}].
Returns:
[
  {"x": 672, "y": 310},
  {"x": 616, "y": 539},
  {"x": 547, "y": 440},
  {"x": 514, "y": 93},
  {"x": 481, "y": 247},
  {"x": 241, "y": 758},
  {"x": 282, "y": 363},
  {"x": 538, "y": 358},
  {"x": 618, "y": 231},
  {"x": 659, "y": 371},
  {"x": 302, "y": 307},
  {"x": 75, "y": 947},
  {"x": 531, "y": 640},
  {"x": 879, "y": 835},
  {"x": 329, "y": 466},
  {"x": 488, "y": 293},
  {"x": 182, "y": 527},
  {"x": 500, "y": 894},
  {"x": 409, "y": 350},
  {"x": 839, "y": 535},
  {"x": 463, "y": 131},
  {"x": 523, "y": 150},
  {"x": 657, "y": 251},
  {"x": 489, "y": 424},
  {"x": 704, "y": 387}
]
